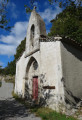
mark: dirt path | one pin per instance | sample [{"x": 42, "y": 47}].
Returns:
[{"x": 10, "y": 109}]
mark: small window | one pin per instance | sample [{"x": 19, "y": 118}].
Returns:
[
  {"x": 35, "y": 65},
  {"x": 32, "y": 34}
]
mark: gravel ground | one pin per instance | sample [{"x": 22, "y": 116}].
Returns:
[{"x": 10, "y": 109}]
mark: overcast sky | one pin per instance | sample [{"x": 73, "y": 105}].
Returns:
[{"x": 19, "y": 20}]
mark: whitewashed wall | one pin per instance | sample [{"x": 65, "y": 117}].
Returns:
[
  {"x": 51, "y": 68},
  {"x": 49, "y": 73}
]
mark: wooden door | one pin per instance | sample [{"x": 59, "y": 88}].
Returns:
[{"x": 35, "y": 88}]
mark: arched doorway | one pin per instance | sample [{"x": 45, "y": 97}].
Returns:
[{"x": 31, "y": 82}]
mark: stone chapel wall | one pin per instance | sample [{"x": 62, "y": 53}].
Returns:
[
  {"x": 72, "y": 73},
  {"x": 51, "y": 73},
  {"x": 20, "y": 75}
]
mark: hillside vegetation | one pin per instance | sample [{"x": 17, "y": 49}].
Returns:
[{"x": 68, "y": 23}]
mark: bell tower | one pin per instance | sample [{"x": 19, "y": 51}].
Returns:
[{"x": 36, "y": 28}]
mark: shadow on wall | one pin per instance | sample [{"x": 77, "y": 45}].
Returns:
[
  {"x": 27, "y": 96},
  {"x": 72, "y": 67},
  {"x": 69, "y": 97},
  {"x": 76, "y": 52},
  {"x": 42, "y": 100},
  {"x": 43, "y": 97}
]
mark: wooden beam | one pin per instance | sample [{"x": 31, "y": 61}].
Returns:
[{"x": 48, "y": 87}]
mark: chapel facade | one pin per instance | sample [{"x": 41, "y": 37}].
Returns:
[{"x": 50, "y": 69}]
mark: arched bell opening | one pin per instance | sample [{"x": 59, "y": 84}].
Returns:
[{"x": 32, "y": 34}]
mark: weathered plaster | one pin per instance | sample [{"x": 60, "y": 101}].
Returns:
[
  {"x": 72, "y": 73},
  {"x": 40, "y": 29}
]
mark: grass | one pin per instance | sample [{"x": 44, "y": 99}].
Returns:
[
  {"x": 44, "y": 113},
  {"x": 48, "y": 114},
  {"x": 10, "y": 81}
]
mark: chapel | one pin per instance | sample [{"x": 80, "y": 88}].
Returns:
[{"x": 49, "y": 71}]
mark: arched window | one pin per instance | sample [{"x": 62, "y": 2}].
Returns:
[
  {"x": 35, "y": 65},
  {"x": 32, "y": 34}
]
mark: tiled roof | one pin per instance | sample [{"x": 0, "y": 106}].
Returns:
[{"x": 67, "y": 40}]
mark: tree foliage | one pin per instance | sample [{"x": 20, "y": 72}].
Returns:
[
  {"x": 10, "y": 69},
  {"x": 68, "y": 23},
  {"x": 65, "y": 3},
  {"x": 20, "y": 49},
  {"x": 1, "y": 69},
  {"x": 3, "y": 12},
  {"x": 62, "y": 3}
]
